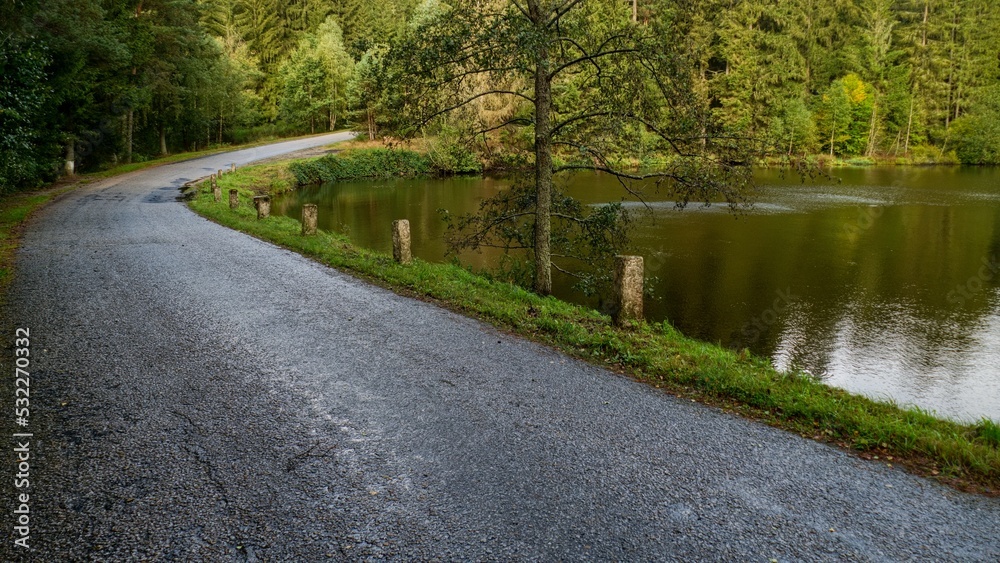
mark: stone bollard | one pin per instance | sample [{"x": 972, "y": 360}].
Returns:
[
  {"x": 219, "y": 174},
  {"x": 234, "y": 199},
  {"x": 401, "y": 241},
  {"x": 217, "y": 193},
  {"x": 263, "y": 205},
  {"x": 232, "y": 167},
  {"x": 215, "y": 182},
  {"x": 627, "y": 298},
  {"x": 309, "y": 214}
]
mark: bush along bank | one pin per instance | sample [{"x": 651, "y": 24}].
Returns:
[
  {"x": 966, "y": 456},
  {"x": 381, "y": 163}
]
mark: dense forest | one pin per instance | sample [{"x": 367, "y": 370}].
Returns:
[{"x": 97, "y": 82}]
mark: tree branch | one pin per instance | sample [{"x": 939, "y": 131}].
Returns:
[
  {"x": 474, "y": 72},
  {"x": 591, "y": 58},
  {"x": 571, "y": 274},
  {"x": 561, "y": 11},
  {"x": 468, "y": 101},
  {"x": 521, "y": 9},
  {"x": 617, "y": 173},
  {"x": 515, "y": 121},
  {"x": 566, "y": 122}
]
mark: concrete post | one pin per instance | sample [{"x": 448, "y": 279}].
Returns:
[
  {"x": 309, "y": 214},
  {"x": 401, "y": 241},
  {"x": 232, "y": 167},
  {"x": 217, "y": 193},
  {"x": 220, "y": 173},
  {"x": 263, "y": 205},
  {"x": 234, "y": 199},
  {"x": 627, "y": 290}
]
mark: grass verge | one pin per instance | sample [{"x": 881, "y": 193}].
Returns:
[
  {"x": 14, "y": 211},
  {"x": 966, "y": 456}
]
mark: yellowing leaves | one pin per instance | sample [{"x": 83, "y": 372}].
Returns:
[{"x": 855, "y": 88}]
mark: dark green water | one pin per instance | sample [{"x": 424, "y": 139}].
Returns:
[{"x": 882, "y": 283}]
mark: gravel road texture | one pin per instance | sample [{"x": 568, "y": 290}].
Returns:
[{"x": 200, "y": 395}]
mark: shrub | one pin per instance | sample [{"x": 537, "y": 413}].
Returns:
[
  {"x": 366, "y": 163},
  {"x": 448, "y": 156}
]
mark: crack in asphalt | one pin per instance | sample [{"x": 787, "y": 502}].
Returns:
[{"x": 201, "y": 395}]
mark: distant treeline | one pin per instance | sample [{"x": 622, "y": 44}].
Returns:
[
  {"x": 856, "y": 77},
  {"x": 104, "y": 81}
]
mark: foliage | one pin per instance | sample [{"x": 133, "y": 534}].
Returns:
[
  {"x": 315, "y": 78},
  {"x": 580, "y": 78},
  {"x": 978, "y": 132},
  {"x": 448, "y": 154},
  {"x": 24, "y": 158},
  {"x": 844, "y": 112},
  {"x": 367, "y": 90},
  {"x": 107, "y": 82},
  {"x": 369, "y": 163}
]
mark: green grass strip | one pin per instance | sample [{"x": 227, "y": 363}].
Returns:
[
  {"x": 14, "y": 211},
  {"x": 963, "y": 455}
]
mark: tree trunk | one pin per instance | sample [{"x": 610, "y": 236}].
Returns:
[
  {"x": 958, "y": 100},
  {"x": 927, "y": 11},
  {"x": 872, "y": 129},
  {"x": 163, "y": 140},
  {"x": 128, "y": 136},
  {"x": 333, "y": 109},
  {"x": 909, "y": 124},
  {"x": 70, "y": 166},
  {"x": 951, "y": 77},
  {"x": 833, "y": 133},
  {"x": 543, "y": 161}
]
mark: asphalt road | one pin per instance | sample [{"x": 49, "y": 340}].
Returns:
[{"x": 197, "y": 394}]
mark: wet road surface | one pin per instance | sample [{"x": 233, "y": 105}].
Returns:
[{"x": 201, "y": 395}]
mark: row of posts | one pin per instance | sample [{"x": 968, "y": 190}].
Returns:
[
  {"x": 216, "y": 191},
  {"x": 628, "y": 275}
]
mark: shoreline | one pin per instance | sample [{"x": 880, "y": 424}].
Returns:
[{"x": 963, "y": 455}]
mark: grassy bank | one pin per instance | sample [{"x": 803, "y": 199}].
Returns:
[
  {"x": 14, "y": 211},
  {"x": 963, "y": 455},
  {"x": 924, "y": 158}
]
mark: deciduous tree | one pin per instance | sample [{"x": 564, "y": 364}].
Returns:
[{"x": 586, "y": 79}]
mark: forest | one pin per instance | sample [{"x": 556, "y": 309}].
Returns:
[{"x": 102, "y": 82}]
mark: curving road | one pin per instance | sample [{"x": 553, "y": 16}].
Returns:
[{"x": 201, "y": 395}]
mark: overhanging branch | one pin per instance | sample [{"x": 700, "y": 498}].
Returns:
[
  {"x": 590, "y": 58},
  {"x": 471, "y": 99},
  {"x": 561, "y": 11}
]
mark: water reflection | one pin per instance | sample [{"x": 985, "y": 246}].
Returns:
[{"x": 879, "y": 282}]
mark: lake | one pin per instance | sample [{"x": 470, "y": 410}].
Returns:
[{"x": 882, "y": 281}]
